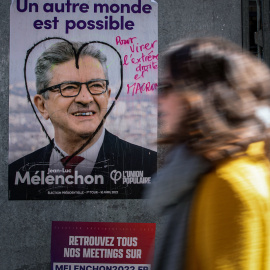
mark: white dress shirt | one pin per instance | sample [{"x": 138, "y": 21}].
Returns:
[{"x": 84, "y": 167}]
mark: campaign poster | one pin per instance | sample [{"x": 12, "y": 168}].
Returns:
[
  {"x": 83, "y": 99},
  {"x": 101, "y": 245}
]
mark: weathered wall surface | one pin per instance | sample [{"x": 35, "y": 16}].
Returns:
[
  {"x": 25, "y": 225},
  {"x": 196, "y": 18}
]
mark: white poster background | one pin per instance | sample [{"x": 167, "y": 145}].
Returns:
[{"x": 134, "y": 117}]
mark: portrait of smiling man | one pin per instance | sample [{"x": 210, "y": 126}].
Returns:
[{"x": 73, "y": 93}]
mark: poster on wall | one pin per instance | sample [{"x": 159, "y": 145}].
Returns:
[
  {"x": 101, "y": 246},
  {"x": 83, "y": 99}
]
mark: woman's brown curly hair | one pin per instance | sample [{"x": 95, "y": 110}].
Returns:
[{"x": 223, "y": 87}]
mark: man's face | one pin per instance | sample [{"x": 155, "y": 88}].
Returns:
[{"x": 67, "y": 114}]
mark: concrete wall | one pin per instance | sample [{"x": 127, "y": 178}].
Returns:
[
  {"x": 196, "y": 18},
  {"x": 26, "y": 225}
]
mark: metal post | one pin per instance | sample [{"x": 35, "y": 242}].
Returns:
[
  {"x": 266, "y": 30},
  {"x": 245, "y": 24}
]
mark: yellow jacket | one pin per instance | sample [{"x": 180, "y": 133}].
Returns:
[{"x": 229, "y": 225}]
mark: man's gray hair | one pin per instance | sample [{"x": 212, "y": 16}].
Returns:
[{"x": 60, "y": 53}]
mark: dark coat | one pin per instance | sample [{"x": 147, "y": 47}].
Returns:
[{"x": 115, "y": 160}]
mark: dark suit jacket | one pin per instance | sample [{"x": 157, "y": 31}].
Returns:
[{"x": 116, "y": 159}]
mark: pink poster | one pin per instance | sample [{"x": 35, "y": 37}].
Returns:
[{"x": 101, "y": 245}]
